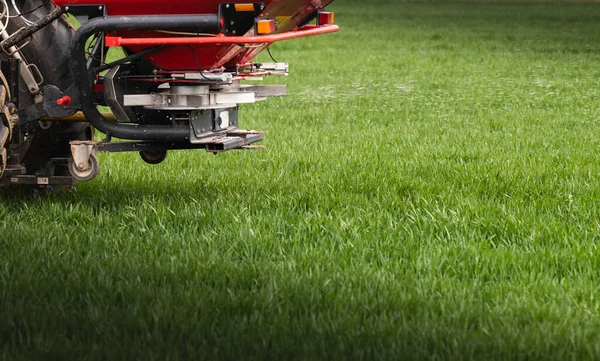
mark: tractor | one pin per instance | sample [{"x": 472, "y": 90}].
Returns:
[{"x": 178, "y": 82}]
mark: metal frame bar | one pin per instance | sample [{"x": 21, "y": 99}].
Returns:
[
  {"x": 309, "y": 30},
  {"x": 228, "y": 140},
  {"x": 39, "y": 181}
]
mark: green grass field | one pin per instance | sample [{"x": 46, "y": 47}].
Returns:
[{"x": 430, "y": 190}]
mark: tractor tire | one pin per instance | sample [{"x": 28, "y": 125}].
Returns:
[{"x": 49, "y": 51}]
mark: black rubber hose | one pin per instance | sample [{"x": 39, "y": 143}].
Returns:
[
  {"x": 127, "y": 59},
  {"x": 196, "y": 23}
]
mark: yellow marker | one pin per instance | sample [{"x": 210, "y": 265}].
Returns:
[
  {"x": 244, "y": 7},
  {"x": 266, "y": 26}
]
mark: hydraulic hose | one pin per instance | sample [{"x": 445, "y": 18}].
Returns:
[{"x": 83, "y": 75}]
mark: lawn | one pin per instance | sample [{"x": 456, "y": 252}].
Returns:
[{"x": 430, "y": 190}]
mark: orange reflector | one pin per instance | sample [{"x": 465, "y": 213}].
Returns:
[
  {"x": 326, "y": 18},
  {"x": 265, "y": 26},
  {"x": 244, "y": 7}
]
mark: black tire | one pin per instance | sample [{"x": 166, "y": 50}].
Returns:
[
  {"x": 49, "y": 51},
  {"x": 154, "y": 156}
]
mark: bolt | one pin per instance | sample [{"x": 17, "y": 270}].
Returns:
[{"x": 81, "y": 166}]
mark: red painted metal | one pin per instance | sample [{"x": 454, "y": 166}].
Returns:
[
  {"x": 266, "y": 39},
  {"x": 282, "y": 8},
  {"x": 203, "y": 53},
  {"x": 149, "y": 7},
  {"x": 325, "y": 18}
]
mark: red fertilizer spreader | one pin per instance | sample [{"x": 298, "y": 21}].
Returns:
[{"x": 178, "y": 84}]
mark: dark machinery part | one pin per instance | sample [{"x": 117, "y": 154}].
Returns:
[
  {"x": 155, "y": 156},
  {"x": 38, "y": 151},
  {"x": 238, "y": 18},
  {"x": 198, "y": 23},
  {"x": 26, "y": 32}
]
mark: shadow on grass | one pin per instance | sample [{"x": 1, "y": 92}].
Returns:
[{"x": 103, "y": 194}]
